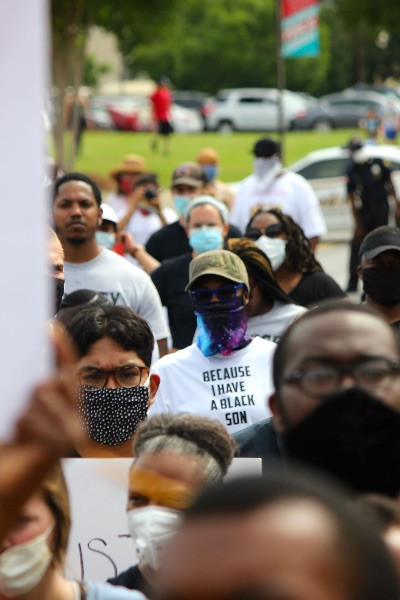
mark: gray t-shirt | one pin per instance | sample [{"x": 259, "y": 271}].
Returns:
[{"x": 122, "y": 283}]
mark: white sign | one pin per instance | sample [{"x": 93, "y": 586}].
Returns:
[
  {"x": 100, "y": 546},
  {"x": 24, "y": 298}
]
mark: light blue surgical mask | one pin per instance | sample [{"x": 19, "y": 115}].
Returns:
[
  {"x": 181, "y": 203},
  {"x": 105, "y": 240},
  {"x": 211, "y": 171},
  {"x": 206, "y": 238}
]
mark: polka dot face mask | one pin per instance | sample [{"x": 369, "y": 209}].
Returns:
[{"x": 110, "y": 416}]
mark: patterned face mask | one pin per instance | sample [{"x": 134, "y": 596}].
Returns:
[
  {"x": 221, "y": 327},
  {"x": 111, "y": 415}
]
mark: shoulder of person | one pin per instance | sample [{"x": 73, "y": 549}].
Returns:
[
  {"x": 175, "y": 357},
  {"x": 258, "y": 343},
  {"x": 258, "y": 441},
  {"x": 106, "y": 591}
]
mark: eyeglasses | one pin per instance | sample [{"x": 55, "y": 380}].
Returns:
[
  {"x": 126, "y": 376},
  {"x": 227, "y": 293},
  {"x": 324, "y": 379},
  {"x": 274, "y": 230}
]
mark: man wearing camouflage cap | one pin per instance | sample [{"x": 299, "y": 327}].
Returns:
[{"x": 225, "y": 375}]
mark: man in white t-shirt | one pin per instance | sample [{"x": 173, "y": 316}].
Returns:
[
  {"x": 225, "y": 375},
  {"x": 76, "y": 215},
  {"x": 272, "y": 186}
]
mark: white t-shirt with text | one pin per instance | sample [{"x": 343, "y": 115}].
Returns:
[
  {"x": 122, "y": 283},
  {"x": 233, "y": 390},
  {"x": 289, "y": 192}
]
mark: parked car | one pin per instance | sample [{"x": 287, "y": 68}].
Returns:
[
  {"x": 325, "y": 171},
  {"x": 253, "y": 109},
  {"x": 133, "y": 113},
  {"x": 202, "y": 103},
  {"x": 344, "y": 109}
]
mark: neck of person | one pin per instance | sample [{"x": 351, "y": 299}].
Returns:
[
  {"x": 263, "y": 309},
  {"x": 287, "y": 278},
  {"x": 91, "y": 449},
  {"x": 81, "y": 253},
  {"x": 390, "y": 313},
  {"x": 53, "y": 586}
]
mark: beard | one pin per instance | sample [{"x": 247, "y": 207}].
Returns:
[{"x": 77, "y": 241}]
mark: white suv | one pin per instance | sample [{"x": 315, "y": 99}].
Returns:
[{"x": 254, "y": 109}]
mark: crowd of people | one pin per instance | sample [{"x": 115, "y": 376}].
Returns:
[{"x": 191, "y": 335}]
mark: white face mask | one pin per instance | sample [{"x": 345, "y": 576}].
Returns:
[
  {"x": 23, "y": 566},
  {"x": 274, "y": 248},
  {"x": 150, "y": 528},
  {"x": 262, "y": 166}
]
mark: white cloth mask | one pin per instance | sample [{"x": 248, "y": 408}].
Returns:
[
  {"x": 274, "y": 248},
  {"x": 24, "y": 565},
  {"x": 150, "y": 528},
  {"x": 263, "y": 166}
]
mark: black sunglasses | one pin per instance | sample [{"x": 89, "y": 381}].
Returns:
[{"x": 274, "y": 230}]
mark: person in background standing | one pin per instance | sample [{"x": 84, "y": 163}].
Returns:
[
  {"x": 208, "y": 160},
  {"x": 161, "y": 102}
]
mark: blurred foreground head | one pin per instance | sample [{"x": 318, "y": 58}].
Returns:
[
  {"x": 336, "y": 404},
  {"x": 287, "y": 536}
]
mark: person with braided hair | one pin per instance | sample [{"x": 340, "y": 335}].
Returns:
[
  {"x": 176, "y": 456},
  {"x": 295, "y": 267},
  {"x": 270, "y": 310}
]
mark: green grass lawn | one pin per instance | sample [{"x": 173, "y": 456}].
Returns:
[{"x": 101, "y": 150}]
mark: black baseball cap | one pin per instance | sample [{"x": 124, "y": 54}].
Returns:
[
  {"x": 266, "y": 147},
  {"x": 379, "y": 240}
]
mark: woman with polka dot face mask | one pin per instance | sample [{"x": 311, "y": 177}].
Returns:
[{"x": 115, "y": 386}]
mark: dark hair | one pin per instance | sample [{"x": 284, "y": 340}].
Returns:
[
  {"x": 119, "y": 323},
  {"x": 362, "y": 556},
  {"x": 384, "y": 512},
  {"x": 73, "y": 303},
  {"x": 77, "y": 177},
  {"x": 282, "y": 350},
  {"x": 259, "y": 268},
  {"x": 146, "y": 178},
  {"x": 299, "y": 256},
  {"x": 188, "y": 434}
]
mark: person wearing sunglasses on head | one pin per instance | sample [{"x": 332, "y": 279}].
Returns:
[
  {"x": 295, "y": 267},
  {"x": 225, "y": 374},
  {"x": 115, "y": 386}
]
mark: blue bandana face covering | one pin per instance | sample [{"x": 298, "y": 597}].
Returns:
[{"x": 221, "y": 327}]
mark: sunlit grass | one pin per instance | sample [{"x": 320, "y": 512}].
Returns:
[{"x": 101, "y": 150}]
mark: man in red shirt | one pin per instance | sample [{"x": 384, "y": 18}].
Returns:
[{"x": 161, "y": 103}]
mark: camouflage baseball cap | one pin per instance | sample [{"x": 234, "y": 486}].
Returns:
[{"x": 218, "y": 262}]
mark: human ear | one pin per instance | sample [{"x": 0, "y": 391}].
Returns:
[
  {"x": 153, "y": 387},
  {"x": 276, "y": 413}
]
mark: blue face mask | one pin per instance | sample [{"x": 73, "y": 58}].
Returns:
[
  {"x": 181, "y": 203},
  {"x": 211, "y": 171},
  {"x": 105, "y": 240},
  {"x": 206, "y": 238}
]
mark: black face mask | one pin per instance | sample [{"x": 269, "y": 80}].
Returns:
[
  {"x": 111, "y": 415},
  {"x": 382, "y": 284},
  {"x": 352, "y": 436},
  {"x": 57, "y": 286}
]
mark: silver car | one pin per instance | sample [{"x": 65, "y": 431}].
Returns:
[{"x": 254, "y": 109}]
